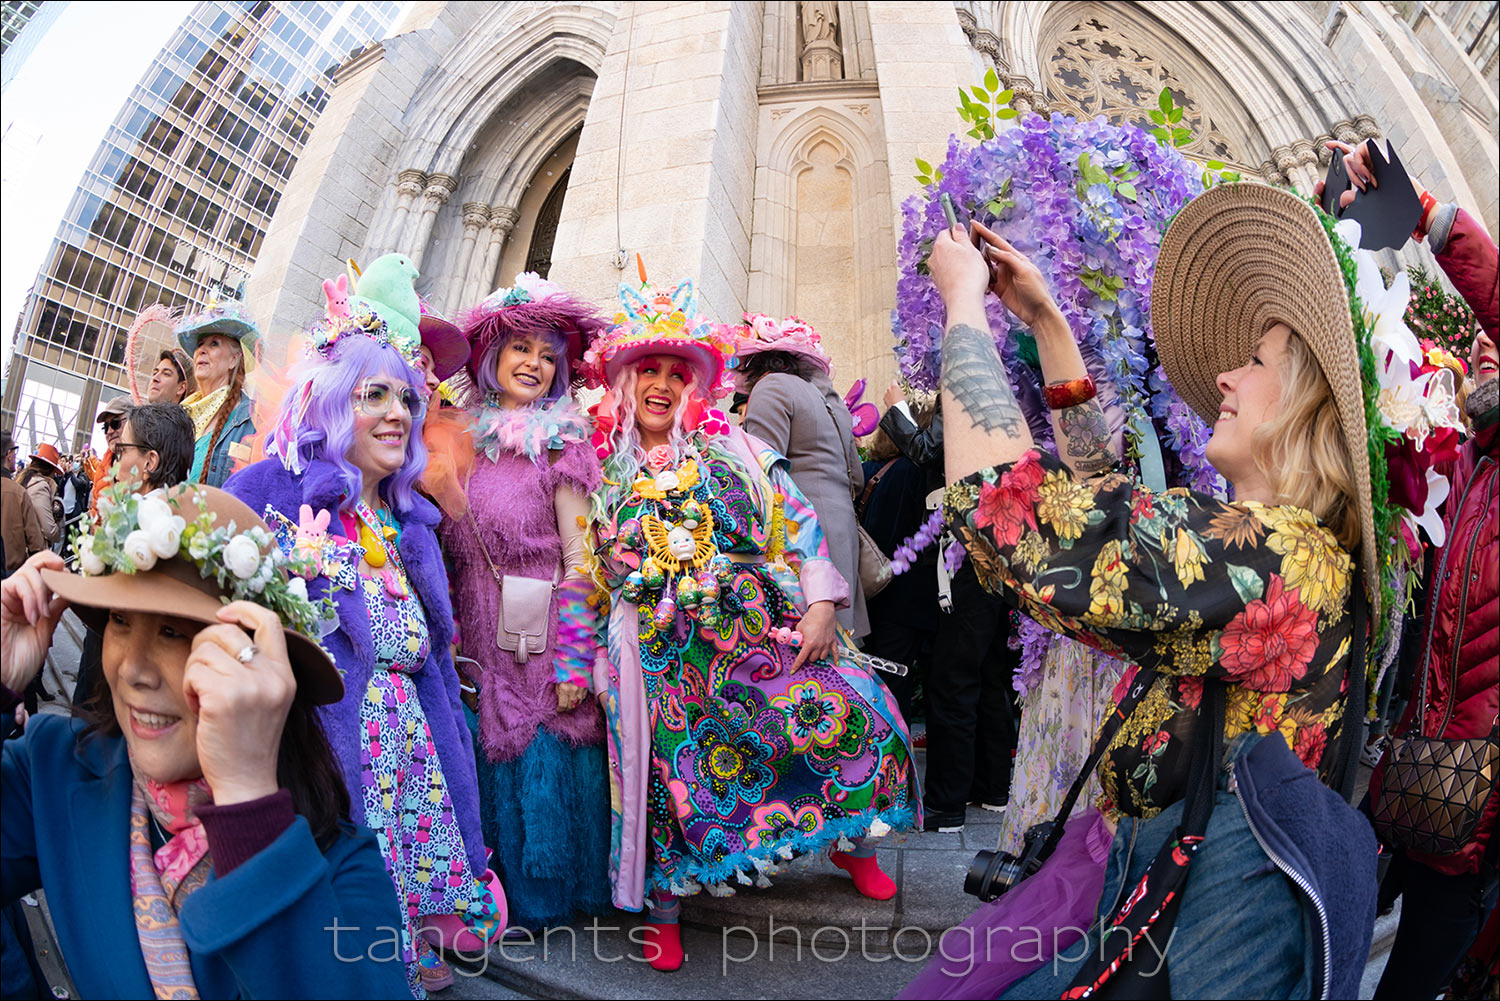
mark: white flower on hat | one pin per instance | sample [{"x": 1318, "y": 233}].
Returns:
[
  {"x": 153, "y": 511},
  {"x": 137, "y": 549},
  {"x": 536, "y": 286},
  {"x": 242, "y": 557},
  {"x": 165, "y": 535},
  {"x": 88, "y": 561},
  {"x": 1385, "y": 308}
]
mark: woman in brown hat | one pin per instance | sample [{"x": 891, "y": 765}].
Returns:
[
  {"x": 1246, "y": 621},
  {"x": 200, "y": 755}
]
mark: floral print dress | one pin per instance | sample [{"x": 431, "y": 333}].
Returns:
[
  {"x": 405, "y": 795},
  {"x": 1254, "y": 594}
]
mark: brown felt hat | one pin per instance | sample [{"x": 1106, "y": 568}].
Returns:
[
  {"x": 1237, "y": 260},
  {"x": 177, "y": 586}
]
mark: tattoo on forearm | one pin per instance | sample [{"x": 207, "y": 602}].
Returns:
[
  {"x": 973, "y": 373},
  {"x": 1087, "y": 444}
]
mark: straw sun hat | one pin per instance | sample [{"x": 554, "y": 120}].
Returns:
[{"x": 1235, "y": 261}]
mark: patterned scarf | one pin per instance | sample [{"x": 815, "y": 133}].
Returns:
[
  {"x": 161, "y": 881},
  {"x": 202, "y": 408}
]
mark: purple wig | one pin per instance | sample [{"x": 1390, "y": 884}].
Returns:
[
  {"x": 316, "y": 420},
  {"x": 484, "y": 371}
]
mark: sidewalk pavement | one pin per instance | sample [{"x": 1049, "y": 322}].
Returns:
[{"x": 809, "y": 935}]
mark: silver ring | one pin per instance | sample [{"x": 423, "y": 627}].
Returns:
[{"x": 247, "y": 654}]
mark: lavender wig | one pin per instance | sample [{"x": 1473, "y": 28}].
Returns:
[
  {"x": 316, "y": 420},
  {"x": 484, "y": 370}
]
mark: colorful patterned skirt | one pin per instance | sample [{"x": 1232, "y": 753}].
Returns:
[
  {"x": 405, "y": 795},
  {"x": 752, "y": 764}
]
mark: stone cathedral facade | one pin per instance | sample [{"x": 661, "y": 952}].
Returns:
[{"x": 763, "y": 148}]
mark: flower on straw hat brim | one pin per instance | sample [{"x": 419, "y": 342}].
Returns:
[
  {"x": 1237, "y": 260},
  {"x": 177, "y": 587}
]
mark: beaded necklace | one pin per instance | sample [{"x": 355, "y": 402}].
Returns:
[{"x": 379, "y": 536}]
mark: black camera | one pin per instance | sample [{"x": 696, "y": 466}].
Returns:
[{"x": 992, "y": 873}]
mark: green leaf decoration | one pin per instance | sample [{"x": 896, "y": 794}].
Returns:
[
  {"x": 1126, "y": 190},
  {"x": 1005, "y": 96},
  {"x": 924, "y": 166},
  {"x": 1247, "y": 583},
  {"x": 1158, "y": 117},
  {"x": 1175, "y": 115},
  {"x": 980, "y": 93},
  {"x": 1006, "y": 113},
  {"x": 1164, "y": 100},
  {"x": 1216, "y": 165},
  {"x": 991, "y": 81},
  {"x": 1181, "y": 137}
]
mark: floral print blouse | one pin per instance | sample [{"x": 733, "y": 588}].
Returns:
[{"x": 1196, "y": 587}]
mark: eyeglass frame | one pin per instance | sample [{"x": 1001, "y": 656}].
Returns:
[{"x": 400, "y": 391}]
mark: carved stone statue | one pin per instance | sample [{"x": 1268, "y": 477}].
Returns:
[{"x": 822, "y": 58}]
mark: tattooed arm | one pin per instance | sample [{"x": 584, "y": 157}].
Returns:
[{"x": 1085, "y": 442}]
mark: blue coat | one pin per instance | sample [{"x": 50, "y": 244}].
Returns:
[
  {"x": 257, "y": 932},
  {"x": 352, "y": 647}
]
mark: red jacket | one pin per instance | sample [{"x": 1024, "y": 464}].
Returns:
[{"x": 1462, "y": 656}]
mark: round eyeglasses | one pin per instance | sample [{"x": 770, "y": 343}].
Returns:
[{"x": 374, "y": 399}]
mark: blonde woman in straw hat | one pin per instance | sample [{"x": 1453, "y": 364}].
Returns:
[
  {"x": 191, "y": 829},
  {"x": 1246, "y": 621}
]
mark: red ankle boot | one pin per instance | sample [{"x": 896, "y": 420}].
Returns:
[
  {"x": 663, "y": 946},
  {"x": 868, "y": 879}
]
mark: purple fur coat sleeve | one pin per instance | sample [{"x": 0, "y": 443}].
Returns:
[{"x": 268, "y": 484}]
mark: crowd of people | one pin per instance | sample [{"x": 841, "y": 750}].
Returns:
[{"x": 403, "y": 641}]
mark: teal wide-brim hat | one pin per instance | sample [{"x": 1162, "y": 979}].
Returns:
[{"x": 230, "y": 321}]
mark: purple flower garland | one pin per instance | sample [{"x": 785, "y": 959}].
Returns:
[{"x": 1087, "y": 202}]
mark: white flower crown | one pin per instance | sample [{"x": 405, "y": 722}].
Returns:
[{"x": 134, "y": 531}]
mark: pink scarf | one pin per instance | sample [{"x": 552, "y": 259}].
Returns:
[{"x": 162, "y": 880}]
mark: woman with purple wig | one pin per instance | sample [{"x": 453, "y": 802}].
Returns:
[
  {"x": 542, "y": 773},
  {"x": 339, "y": 485}
]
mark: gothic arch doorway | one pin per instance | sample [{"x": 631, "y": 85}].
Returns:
[{"x": 539, "y": 254}]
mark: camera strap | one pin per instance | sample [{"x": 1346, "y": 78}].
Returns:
[{"x": 1144, "y": 679}]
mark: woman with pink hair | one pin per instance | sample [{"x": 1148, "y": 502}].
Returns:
[{"x": 737, "y": 738}]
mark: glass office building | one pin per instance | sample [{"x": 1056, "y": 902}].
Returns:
[{"x": 178, "y": 197}]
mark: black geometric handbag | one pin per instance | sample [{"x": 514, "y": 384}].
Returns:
[{"x": 1433, "y": 791}]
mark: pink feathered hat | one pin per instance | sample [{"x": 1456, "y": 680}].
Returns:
[{"x": 532, "y": 307}]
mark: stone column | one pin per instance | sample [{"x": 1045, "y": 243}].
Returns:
[
  {"x": 440, "y": 188},
  {"x": 409, "y": 184},
  {"x": 476, "y": 214},
  {"x": 481, "y": 280}
]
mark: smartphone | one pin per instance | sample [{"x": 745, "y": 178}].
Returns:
[
  {"x": 947, "y": 203},
  {"x": 1386, "y": 212}
]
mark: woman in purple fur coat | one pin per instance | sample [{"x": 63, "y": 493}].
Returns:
[
  {"x": 339, "y": 486},
  {"x": 543, "y": 777}
]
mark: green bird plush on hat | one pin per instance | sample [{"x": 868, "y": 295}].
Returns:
[{"x": 385, "y": 288}]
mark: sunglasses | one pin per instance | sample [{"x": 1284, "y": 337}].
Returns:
[
  {"x": 374, "y": 399},
  {"x": 114, "y": 423}
]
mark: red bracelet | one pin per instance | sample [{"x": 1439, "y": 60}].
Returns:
[
  {"x": 1061, "y": 395},
  {"x": 1428, "y": 203}
]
